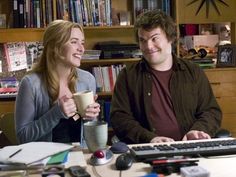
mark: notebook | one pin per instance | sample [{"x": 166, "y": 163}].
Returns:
[{"x": 31, "y": 152}]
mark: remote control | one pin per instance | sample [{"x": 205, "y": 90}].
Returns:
[{"x": 78, "y": 171}]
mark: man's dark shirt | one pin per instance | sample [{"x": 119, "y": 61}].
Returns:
[{"x": 162, "y": 116}]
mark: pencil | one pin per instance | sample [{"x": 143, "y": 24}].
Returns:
[{"x": 15, "y": 153}]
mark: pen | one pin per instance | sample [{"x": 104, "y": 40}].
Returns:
[{"x": 15, "y": 153}]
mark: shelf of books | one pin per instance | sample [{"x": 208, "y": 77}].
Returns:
[
  {"x": 36, "y": 34},
  {"x": 106, "y": 72},
  {"x": 141, "y": 6},
  {"x": 39, "y": 13}
]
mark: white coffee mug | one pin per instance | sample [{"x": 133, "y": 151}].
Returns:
[
  {"x": 96, "y": 135},
  {"x": 82, "y": 100}
]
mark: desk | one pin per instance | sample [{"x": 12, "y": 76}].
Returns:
[
  {"x": 218, "y": 167},
  {"x": 221, "y": 166}
]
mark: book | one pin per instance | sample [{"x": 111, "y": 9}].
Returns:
[
  {"x": 15, "y": 11},
  {"x": 37, "y": 10},
  {"x": 16, "y": 55},
  {"x": 34, "y": 51},
  {"x": 206, "y": 65},
  {"x": 106, "y": 80},
  {"x": 8, "y": 85},
  {"x": 21, "y": 13},
  {"x": 3, "y": 58},
  {"x": 111, "y": 77},
  {"x": 102, "y": 17},
  {"x": 91, "y": 54},
  {"x": 107, "y": 107},
  {"x": 101, "y": 113},
  {"x": 97, "y": 72},
  {"x": 3, "y": 20},
  {"x": 108, "y": 5},
  {"x": 152, "y": 4},
  {"x": 27, "y": 13},
  {"x": 138, "y": 7}
]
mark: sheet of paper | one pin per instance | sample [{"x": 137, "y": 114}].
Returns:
[
  {"x": 31, "y": 152},
  {"x": 75, "y": 158}
]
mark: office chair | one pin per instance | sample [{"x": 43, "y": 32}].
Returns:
[{"x": 7, "y": 126}]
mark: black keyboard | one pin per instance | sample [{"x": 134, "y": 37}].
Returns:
[{"x": 213, "y": 147}]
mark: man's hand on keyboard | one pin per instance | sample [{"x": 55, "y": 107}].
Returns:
[
  {"x": 161, "y": 139},
  {"x": 196, "y": 135}
]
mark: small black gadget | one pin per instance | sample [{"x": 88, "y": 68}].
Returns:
[
  {"x": 78, "y": 171},
  {"x": 50, "y": 170}
]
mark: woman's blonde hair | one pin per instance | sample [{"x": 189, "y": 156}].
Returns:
[{"x": 55, "y": 36}]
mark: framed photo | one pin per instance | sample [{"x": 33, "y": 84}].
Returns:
[{"x": 226, "y": 56}]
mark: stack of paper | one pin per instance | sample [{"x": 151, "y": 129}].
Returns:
[{"x": 31, "y": 152}]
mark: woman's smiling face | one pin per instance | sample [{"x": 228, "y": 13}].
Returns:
[{"x": 74, "y": 48}]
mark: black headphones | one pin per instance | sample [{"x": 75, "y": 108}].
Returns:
[{"x": 200, "y": 53}]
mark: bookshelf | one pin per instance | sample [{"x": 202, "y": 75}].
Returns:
[
  {"x": 222, "y": 80},
  {"x": 125, "y": 34},
  {"x": 189, "y": 16}
]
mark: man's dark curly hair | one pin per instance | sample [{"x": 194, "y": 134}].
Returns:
[{"x": 153, "y": 19}]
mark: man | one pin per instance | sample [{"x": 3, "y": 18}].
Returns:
[{"x": 162, "y": 98}]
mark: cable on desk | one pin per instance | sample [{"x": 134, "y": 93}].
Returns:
[
  {"x": 95, "y": 171},
  {"x": 120, "y": 173},
  {"x": 98, "y": 175}
]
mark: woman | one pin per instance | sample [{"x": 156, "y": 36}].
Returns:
[{"x": 45, "y": 109}]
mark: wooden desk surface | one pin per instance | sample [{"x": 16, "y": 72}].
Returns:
[
  {"x": 217, "y": 166},
  {"x": 220, "y": 166}
]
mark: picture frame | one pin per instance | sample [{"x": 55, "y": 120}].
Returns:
[{"x": 226, "y": 56}]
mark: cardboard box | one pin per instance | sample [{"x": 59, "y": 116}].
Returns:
[
  {"x": 194, "y": 171},
  {"x": 194, "y": 41}
]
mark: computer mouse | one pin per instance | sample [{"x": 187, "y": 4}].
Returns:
[
  {"x": 124, "y": 161},
  {"x": 223, "y": 133},
  {"x": 101, "y": 156},
  {"x": 119, "y": 147}
]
